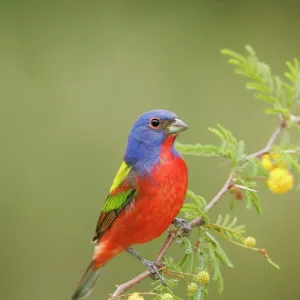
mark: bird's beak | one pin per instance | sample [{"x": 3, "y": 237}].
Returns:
[{"x": 177, "y": 126}]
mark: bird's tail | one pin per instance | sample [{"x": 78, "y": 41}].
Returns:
[{"x": 87, "y": 282}]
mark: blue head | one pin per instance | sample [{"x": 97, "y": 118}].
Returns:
[{"x": 147, "y": 135}]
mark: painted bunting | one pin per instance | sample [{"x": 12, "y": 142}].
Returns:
[{"x": 145, "y": 197}]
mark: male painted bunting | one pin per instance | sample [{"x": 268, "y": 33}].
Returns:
[{"x": 145, "y": 197}]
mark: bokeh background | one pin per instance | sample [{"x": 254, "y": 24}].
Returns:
[{"x": 74, "y": 77}]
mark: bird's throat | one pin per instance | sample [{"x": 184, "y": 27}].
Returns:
[{"x": 167, "y": 148}]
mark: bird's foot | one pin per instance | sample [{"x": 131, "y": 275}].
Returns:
[
  {"x": 183, "y": 225},
  {"x": 154, "y": 267}
]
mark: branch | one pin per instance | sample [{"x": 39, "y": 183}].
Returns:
[
  {"x": 199, "y": 221},
  {"x": 270, "y": 143}
]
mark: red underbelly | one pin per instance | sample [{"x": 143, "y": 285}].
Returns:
[
  {"x": 145, "y": 222},
  {"x": 156, "y": 206}
]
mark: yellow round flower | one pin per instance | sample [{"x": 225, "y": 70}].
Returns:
[
  {"x": 192, "y": 288},
  {"x": 167, "y": 296},
  {"x": 203, "y": 277},
  {"x": 270, "y": 161},
  {"x": 280, "y": 181},
  {"x": 250, "y": 242},
  {"x": 135, "y": 296}
]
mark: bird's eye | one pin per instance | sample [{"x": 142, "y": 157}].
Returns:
[{"x": 155, "y": 123}]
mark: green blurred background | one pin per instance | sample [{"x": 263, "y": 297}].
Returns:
[{"x": 75, "y": 75}]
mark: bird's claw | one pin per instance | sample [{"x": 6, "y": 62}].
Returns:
[
  {"x": 183, "y": 225},
  {"x": 152, "y": 267}
]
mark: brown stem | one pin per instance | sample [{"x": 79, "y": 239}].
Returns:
[
  {"x": 142, "y": 294},
  {"x": 255, "y": 177}
]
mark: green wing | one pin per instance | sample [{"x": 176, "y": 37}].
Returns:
[{"x": 121, "y": 193}]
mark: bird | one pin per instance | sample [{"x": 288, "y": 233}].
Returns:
[{"x": 145, "y": 197}]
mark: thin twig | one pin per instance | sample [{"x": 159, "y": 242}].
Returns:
[
  {"x": 199, "y": 221},
  {"x": 292, "y": 151},
  {"x": 269, "y": 144},
  {"x": 142, "y": 294}
]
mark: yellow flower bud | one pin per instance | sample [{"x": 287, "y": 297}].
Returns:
[
  {"x": 270, "y": 161},
  {"x": 250, "y": 242},
  {"x": 192, "y": 288},
  {"x": 135, "y": 296},
  {"x": 166, "y": 296},
  {"x": 280, "y": 181},
  {"x": 203, "y": 277},
  {"x": 266, "y": 162}
]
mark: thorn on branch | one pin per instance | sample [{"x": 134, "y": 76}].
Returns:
[{"x": 245, "y": 188}]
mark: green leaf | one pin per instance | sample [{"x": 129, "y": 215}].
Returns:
[
  {"x": 266, "y": 98},
  {"x": 250, "y": 50},
  {"x": 294, "y": 162},
  {"x": 196, "y": 209},
  {"x": 248, "y": 73},
  {"x": 198, "y": 149},
  {"x": 274, "y": 265},
  {"x": 271, "y": 89},
  {"x": 189, "y": 255},
  {"x": 229, "y": 229},
  {"x": 293, "y": 68},
  {"x": 197, "y": 198},
  {"x": 219, "y": 251},
  {"x": 201, "y": 294},
  {"x": 217, "y": 275},
  {"x": 233, "y": 54},
  {"x": 226, "y": 220},
  {"x": 285, "y": 139},
  {"x": 240, "y": 150},
  {"x": 276, "y": 111},
  {"x": 258, "y": 87},
  {"x": 217, "y": 133}
]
